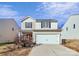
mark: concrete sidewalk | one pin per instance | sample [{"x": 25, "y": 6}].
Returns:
[{"x": 52, "y": 50}]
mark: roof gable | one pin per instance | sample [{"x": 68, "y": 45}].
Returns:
[{"x": 28, "y": 17}]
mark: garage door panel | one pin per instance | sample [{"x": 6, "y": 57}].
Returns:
[{"x": 47, "y": 39}]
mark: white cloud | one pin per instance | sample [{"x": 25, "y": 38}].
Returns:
[
  {"x": 7, "y": 11},
  {"x": 1, "y": 6},
  {"x": 56, "y": 7}
]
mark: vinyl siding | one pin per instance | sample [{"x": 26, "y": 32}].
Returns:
[
  {"x": 71, "y": 33},
  {"x": 6, "y": 32},
  {"x": 37, "y": 25}
]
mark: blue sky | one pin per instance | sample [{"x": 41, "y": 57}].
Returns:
[{"x": 39, "y": 10}]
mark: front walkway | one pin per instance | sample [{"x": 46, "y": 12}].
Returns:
[{"x": 52, "y": 50}]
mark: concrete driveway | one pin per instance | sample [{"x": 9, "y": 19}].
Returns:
[{"x": 52, "y": 50}]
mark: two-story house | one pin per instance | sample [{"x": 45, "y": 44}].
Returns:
[{"x": 41, "y": 31}]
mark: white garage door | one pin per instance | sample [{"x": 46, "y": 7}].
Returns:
[{"x": 47, "y": 39}]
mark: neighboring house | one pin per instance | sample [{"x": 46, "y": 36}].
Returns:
[
  {"x": 42, "y": 31},
  {"x": 71, "y": 28},
  {"x": 8, "y": 30}
]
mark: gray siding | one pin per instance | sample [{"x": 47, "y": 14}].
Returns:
[{"x": 8, "y": 30}]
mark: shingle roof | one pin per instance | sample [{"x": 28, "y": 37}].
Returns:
[
  {"x": 52, "y": 20},
  {"x": 6, "y": 19},
  {"x": 39, "y": 20}
]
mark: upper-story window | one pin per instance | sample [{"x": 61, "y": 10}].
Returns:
[
  {"x": 12, "y": 28},
  {"x": 45, "y": 24},
  {"x": 28, "y": 24},
  {"x": 66, "y": 28},
  {"x": 73, "y": 26}
]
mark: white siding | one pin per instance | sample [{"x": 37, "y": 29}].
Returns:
[
  {"x": 22, "y": 26},
  {"x": 54, "y": 25},
  {"x": 71, "y": 33},
  {"x": 38, "y": 25},
  {"x": 28, "y": 20}
]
